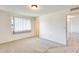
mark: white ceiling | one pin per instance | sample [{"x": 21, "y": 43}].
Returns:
[{"x": 25, "y": 10}]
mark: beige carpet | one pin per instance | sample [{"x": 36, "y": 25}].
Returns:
[
  {"x": 72, "y": 45},
  {"x": 63, "y": 50},
  {"x": 30, "y": 45}
]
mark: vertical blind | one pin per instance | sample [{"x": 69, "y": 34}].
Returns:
[{"x": 20, "y": 24}]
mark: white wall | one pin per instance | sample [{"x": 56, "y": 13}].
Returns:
[
  {"x": 74, "y": 24},
  {"x": 53, "y": 26},
  {"x": 5, "y": 29}
]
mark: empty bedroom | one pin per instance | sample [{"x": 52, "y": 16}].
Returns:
[{"x": 39, "y": 28}]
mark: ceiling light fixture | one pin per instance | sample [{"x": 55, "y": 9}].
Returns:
[{"x": 34, "y": 7}]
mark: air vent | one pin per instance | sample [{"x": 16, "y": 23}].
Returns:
[{"x": 73, "y": 9}]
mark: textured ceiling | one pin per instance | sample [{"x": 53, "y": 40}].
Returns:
[{"x": 25, "y": 10}]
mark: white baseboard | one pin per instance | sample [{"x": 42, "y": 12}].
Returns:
[
  {"x": 54, "y": 42},
  {"x": 16, "y": 40}
]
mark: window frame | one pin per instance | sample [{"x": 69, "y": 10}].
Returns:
[{"x": 20, "y": 32}]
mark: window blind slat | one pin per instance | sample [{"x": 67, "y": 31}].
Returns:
[{"x": 21, "y": 24}]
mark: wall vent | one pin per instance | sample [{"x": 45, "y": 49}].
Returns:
[{"x": 73, "y": 9}]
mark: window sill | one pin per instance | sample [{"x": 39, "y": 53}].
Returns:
[{"x": 21, "y": 32}]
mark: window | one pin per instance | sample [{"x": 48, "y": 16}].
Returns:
[{"x": 20, "y": 25}]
